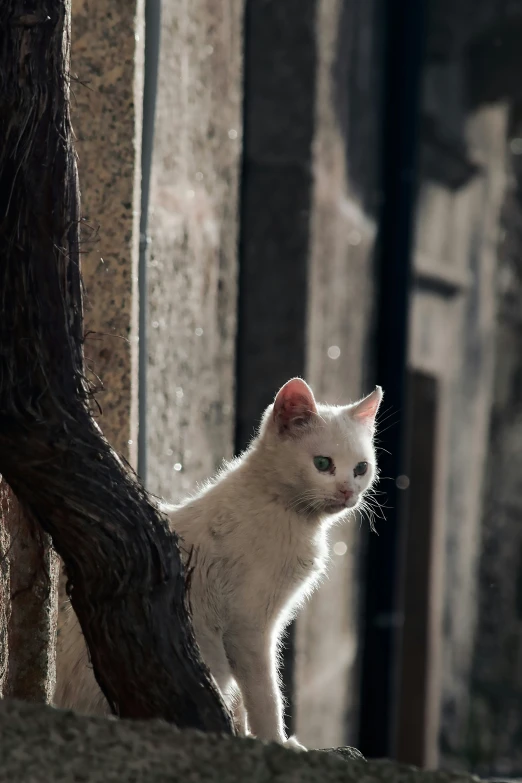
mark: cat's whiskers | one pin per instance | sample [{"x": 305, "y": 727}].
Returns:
[
  {"x": 366, "y": 512},
  {"x": 306, "y": 494},
  {"x": 305, "y": 503},
  {"x": 375, "y": 503},
  {"x": 385, "y": 416},
  {"x": 309, "y": 502},
  {"x": 371, "y": 508}
]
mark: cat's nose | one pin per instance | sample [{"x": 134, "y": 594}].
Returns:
[{"x": 346, "y": 493}]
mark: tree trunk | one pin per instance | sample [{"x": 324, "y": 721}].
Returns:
[{"x": 126, "y": 581}]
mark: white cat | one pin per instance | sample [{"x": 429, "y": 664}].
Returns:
[{"x": 257, "y": 538}]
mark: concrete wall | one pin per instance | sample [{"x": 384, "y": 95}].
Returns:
[
  {"x": 457, "y": 337},
  {"x": 31, "y": 606},
  {"x": 107, "y": 60},
  {"x": 452, "y": 329},
  {"x": 471, "y": 391},
  {"x": 193, "y": 258},
  {"x": 493, "y": 743}
]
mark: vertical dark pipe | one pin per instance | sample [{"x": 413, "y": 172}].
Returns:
[
  {"x": 403, "y": 55},
  {"x": 150, "y": 87}
]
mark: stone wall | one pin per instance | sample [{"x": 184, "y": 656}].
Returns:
[
  {"x": 452, "y": 341},
  {"x": 192, "y": 265},
  {"x": 493, "y": 740},
  {"x": 471, "y": 80},
  {"x": 106, "y": 107}
]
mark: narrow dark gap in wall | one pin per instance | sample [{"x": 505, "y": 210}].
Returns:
[
  {"x": 418, "y": 561},
  {"x": 279, "y": 111},
  {"x": 402, "y": 66}
]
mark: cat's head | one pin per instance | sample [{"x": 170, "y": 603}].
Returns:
[{"x": 323, "y": 455}]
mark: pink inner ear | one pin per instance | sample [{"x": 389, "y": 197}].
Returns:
[
  {"x": 366, "y": 409},
  {"x": 294, "y": 404}
]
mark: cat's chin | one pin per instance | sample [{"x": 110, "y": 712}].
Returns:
[{"x": 337, "y": 507}]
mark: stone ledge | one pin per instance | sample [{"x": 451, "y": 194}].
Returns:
[{"x": 40, "y": 743}]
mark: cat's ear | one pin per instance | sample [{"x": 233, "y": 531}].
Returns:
[
  {"x": 366, "y": 409},
  {"x": 294, "y": 406}
]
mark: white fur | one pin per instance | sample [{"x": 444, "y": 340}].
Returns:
[{"x": 257, "y": 538}]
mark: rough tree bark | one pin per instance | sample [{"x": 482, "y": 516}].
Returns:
[{"x": 126, "y": 581}]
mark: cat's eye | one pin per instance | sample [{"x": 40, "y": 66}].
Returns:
[
  {"x": 323, "y": 463},
  {"x": 360, "y": 469}
]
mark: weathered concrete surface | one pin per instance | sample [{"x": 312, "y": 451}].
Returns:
[
  {"x": 28, "y": 606},
  {"x": 472, "y": 77},
  {"x": 40, "y": 744},
  {"x": 340, "y": 303},
  {"x": 472, "y": 386},
  {"x": 482, "y": 726},
  {"x": 33, "y": 568},
  {"x": 494, "y": 727},
  {"x": 193, "y": 227},
  {"x": 106, "y": 107},
  {"x": 452, "y": 331}
]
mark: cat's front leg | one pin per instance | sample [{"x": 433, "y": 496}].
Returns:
[
  {"x": 294, "y": 744},
  {"x": 253, "y": 661},
  {"x": 240, "y": 717}
]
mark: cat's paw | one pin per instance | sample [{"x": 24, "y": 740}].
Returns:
[{"x": 294, "y": 744}]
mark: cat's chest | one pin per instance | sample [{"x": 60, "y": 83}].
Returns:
[
  {"x": 304, "y": 562},
  {"x": 286, "y": 570}
]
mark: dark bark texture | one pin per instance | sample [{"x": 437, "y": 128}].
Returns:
[{"x": 126, "y": 581}]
